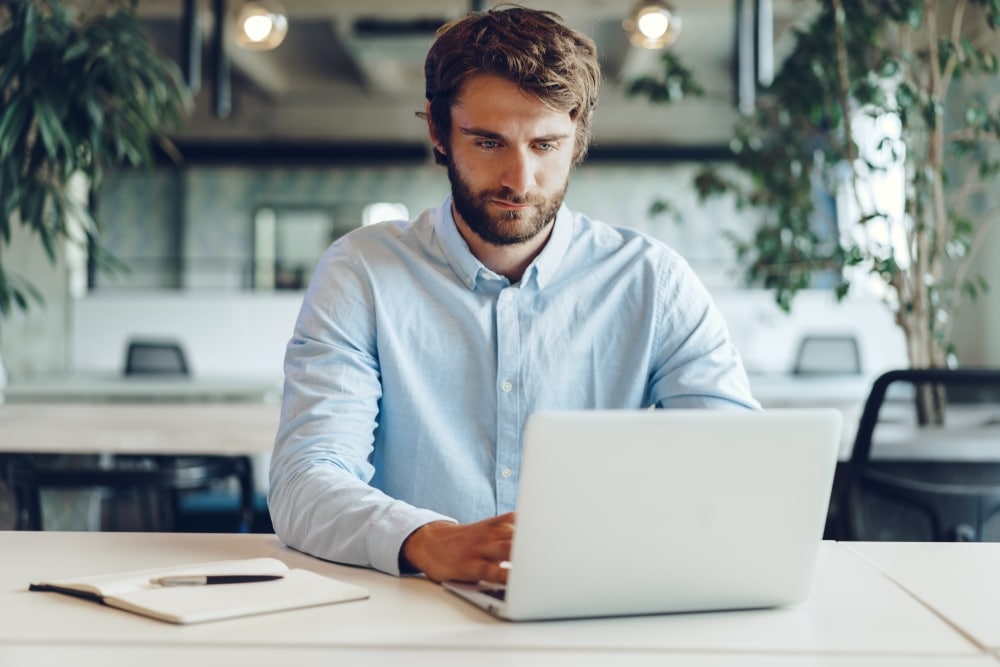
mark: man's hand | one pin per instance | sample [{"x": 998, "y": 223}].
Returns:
[{"x": 463, "y": 552}]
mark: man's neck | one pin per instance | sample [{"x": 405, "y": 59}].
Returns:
[{"x": 510, "y": 261}]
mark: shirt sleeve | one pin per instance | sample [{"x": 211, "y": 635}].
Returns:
[
  {"x": 696, "y": 364},
  {"x": 319, "y": 497}
]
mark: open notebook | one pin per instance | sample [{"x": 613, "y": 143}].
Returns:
[
  {"x": 134, "y": 592},
  {"x": 643, "y": 512}
]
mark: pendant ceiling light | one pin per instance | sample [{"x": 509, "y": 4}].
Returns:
[
  {"x": 260, "y": 24},
  {"x": 653, "y": 24}
]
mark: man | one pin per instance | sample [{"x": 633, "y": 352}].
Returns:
[{"x": 422, "y": 347}]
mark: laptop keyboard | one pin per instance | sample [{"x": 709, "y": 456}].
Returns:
[{"x": 498, "y": 593}]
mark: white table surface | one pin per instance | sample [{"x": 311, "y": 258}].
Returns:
[
  {"x": 155, "y": 410},
  {"x": 955, "y": 441},
  {"x": 123, "y": 655},
  {"x": 817, "y": 390},
  {"x": 94, "y": 387},
  {"x": 959, "y": 581},
  {"x": 228, "y": 429},
  {"x": 855, "y": 615}
]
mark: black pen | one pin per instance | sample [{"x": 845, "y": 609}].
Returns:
[{"x": 208, "y": 579}]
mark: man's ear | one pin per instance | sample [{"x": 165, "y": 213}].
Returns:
[{"x": 435, "y": 139}]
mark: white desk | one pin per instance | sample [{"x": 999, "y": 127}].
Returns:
[
  {"x": 98, "y": 387},
  {"x": 959, "y": 581},
  {"x": 123, "y": 655},
  {"x": 790, "y": 390},
  {"x": 227, "y": 429},
  {"x": 955, "y": 442},
  {"x": 855, "y": 616}
]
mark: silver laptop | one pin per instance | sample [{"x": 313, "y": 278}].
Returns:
[{"x": 644, "y": 512}]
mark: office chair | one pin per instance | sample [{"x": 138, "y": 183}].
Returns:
[
  {"x": 827, "y": 354},
  {"x": 149, "y": 357},
  {"x": 156, "y": 481},
  {"x": 922, "y": 500}
]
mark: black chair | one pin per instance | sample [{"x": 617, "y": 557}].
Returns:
[
  {"x": 155, "y": 357},
  {"x": 155, "y": 482},
  {"x": 933, "y": 498}
]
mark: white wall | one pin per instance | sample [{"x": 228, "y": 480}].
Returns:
[
  {"x": 768, "y": 338},
  {"x": 225, "y": 334},
  {"x": 242, "y": 334},
  {"x": 35, "y": 342},
  {"x": 230, "y": 330}
]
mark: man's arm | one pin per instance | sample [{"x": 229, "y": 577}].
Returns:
[{"x": 320, "y": 498}]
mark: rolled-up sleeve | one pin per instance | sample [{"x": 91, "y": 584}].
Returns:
[
  {"x": 320, "y": 498},
  {"x": 696, "y": 364}
]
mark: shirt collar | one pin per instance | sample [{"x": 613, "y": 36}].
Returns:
[
  {"x": 470, "y": 269},
  {"x": 552, "y": 255}
]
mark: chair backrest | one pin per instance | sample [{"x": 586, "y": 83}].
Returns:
[
  {"x": 155, "y": 357},
  {"x": 826, "y": 354},
  {"x": 940, "y": 494}
]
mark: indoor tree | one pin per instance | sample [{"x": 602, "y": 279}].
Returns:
[
  {"x": 875, "y": 107},
  {"x": 82, "y": 89}
]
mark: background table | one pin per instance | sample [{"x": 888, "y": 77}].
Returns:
[
  {"x": 187, "y": 428},
  {"x": 108, "y": 387},
  {"x": 161, "y": 429}
]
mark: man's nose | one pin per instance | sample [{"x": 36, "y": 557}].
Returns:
[{"x": 518, "y": 174}]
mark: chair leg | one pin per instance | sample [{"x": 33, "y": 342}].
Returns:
[
  {"x": 20, "y": 473},
  {"x": 244, "y": 473},
  {"x": 29, "y": 508}
]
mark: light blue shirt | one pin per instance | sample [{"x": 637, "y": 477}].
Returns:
[{"x": 413, "y": 368}]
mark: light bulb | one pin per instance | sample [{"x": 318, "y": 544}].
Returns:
[
  {"x": 257, "y": 28},
  {"x": 261, "y": 24},
  {"x": 653, "y": 24}
]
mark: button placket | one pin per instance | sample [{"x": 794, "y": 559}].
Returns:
[{"x": 508, "y": 418}]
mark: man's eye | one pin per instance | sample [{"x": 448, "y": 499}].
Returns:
[
  {"x": 545, "y": 148},
  {"x": 488, "y": 143}
]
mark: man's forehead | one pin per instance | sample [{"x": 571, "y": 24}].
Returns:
[{"x": 491, "y": 93}]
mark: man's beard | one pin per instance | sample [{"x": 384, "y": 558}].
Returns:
[{"x": 505, "y": 227}]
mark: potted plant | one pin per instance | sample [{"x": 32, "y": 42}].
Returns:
[
  {"x": 82, "y": 89},
  {"x": 872, "y": 112}
]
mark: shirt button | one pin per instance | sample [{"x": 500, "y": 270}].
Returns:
[
  {"x": 507, "y": 386},
  {"x": 506, "y": 472}
]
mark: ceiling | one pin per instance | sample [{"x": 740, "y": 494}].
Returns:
[{"x": 350, "y": 72}]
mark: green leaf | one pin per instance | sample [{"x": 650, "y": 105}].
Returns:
[
  {"x": 48, "y": 127},
  {"x": 13, "y": 127},
  {"x": 83, "y": 89},
  {"x": 75, "y": 51},
  {"x": 30, "y": 33}
]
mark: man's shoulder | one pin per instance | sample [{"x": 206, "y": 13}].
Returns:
[
  {"x": 618, "y": 237},
  {"x": 379, "y": 236}
]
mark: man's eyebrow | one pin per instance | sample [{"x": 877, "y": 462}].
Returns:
[{"x": 489, "y": 134}]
